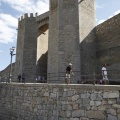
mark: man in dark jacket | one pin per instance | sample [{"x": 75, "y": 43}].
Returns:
[
  {"x": 19, "y": 78},
  {"x": 23, "y": 77}
]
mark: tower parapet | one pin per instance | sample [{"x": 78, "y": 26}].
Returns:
[
  {"x": 31, "y": 14},
  {"x": 36, "y": 14},
  {"x": 26, "y": 15}
]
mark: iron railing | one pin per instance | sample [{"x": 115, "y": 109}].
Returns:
[{"x": 113, "y": 76}]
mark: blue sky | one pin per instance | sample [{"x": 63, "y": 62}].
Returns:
[{"x": 11, "y": 10}]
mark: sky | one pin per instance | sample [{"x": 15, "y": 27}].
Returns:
[{"x": 11, "y": 10}]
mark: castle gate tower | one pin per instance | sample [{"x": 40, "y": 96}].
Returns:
[
  {"x": 66, "y": 24},
  {"x": 26, "y": 48}
]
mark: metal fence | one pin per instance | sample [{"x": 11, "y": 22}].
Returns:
[{"x": 95, "y": 78}]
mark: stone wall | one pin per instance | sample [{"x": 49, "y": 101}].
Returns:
[
  {"x": 59, "y": 102},
  {"x": 108, "y": 44},
  {"x": 6, "y": 72}
]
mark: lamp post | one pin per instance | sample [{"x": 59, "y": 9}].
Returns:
[{"x": 11, "y": 54}]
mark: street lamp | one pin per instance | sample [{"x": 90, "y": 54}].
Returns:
[{"x": 11, "y": 53}]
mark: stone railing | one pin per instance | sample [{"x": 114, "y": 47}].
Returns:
[{"x": 59, "y": 102}]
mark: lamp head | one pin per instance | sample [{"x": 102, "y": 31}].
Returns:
[{"x": 12, "y": 49}]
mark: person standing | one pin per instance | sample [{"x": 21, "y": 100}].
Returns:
[
  {"x": 19, "y": 78},
  {"x": 43, "y": 80},
  {"x": 39, "y": 79},
  {"x": 23, "y": 77},
  {"x": 0, "y": 78},
  {"x": 104, "y": 74},
  {"x": 68, "y": 72}
]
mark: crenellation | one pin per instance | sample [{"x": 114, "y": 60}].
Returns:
[
  {"x": 19, "y": 19},
  {"x": 31, "y": 15},
  {"x": 22, "y": 17},
  {"x": 26, "y": 15},
  {"x": 36, "y": 14}
]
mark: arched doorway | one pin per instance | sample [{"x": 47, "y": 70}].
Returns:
[{"x": 42, "y": 50}]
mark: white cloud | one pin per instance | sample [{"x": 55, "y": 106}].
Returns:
[
  {"x": 101, "y": 21},
  {"x": 110, "y": 16},
  {"x": 8, "y": 28},
  {"x": 28, "y": 6},
  {"x": 9, "y": 20},
  {"x": 9, "y": 23},
  {"x": 115, "y": 13}
]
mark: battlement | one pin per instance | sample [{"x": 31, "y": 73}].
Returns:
[{"x": 27, "y": 15}]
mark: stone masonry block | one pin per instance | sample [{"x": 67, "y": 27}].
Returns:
[
  {"x": 78, "y": 113},
  {"x": 114, "y": 94},
  {"x": 100, "y": 115}
]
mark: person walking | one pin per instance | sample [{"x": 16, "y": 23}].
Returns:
[
  {"x": 68, "y": 72},
  {"x": 104, "y": 74}
]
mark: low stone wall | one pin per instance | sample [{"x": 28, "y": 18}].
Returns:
[
  {"x": 5, "y": 73},
  {"x": 59, "y": 102}
]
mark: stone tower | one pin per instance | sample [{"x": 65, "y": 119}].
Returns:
[
  {"x": 71, "y": 23},
  {"x": 87, "y": 25},
  {"x": 26, "y": 48}
]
